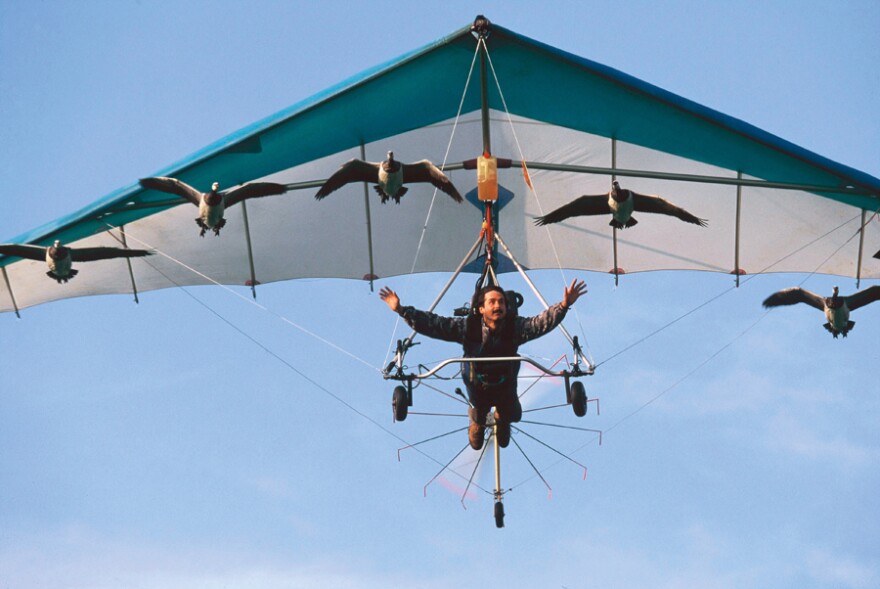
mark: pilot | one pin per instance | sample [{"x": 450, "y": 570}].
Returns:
[{"x": 495, "y": 331}]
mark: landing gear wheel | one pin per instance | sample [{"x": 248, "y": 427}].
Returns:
[
  {"x": 399, "y": 403},
  {"x": 578, "y": 398},
  {"x": 499, "y": 514}
]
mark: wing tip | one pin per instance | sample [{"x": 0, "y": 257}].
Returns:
[{"x": 323, "y": 192}]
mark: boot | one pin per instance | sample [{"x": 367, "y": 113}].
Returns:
[{"x": 476, "y": 434}]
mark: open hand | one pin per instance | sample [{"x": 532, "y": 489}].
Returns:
[
  {"x": 573, "y": 292},
  {"x": 390, "y": 297}
]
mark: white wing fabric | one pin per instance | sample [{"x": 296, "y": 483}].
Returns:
[{"x": 564, "y": 111}]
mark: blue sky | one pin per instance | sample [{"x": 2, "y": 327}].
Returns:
[{"x": 165, "y": 445}]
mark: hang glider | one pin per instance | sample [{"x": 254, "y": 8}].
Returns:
[{"x": 772, "y": 206}]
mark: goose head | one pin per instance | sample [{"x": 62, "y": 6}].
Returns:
[
  {"x": 616, "y": 192},
  {"x": 57, "y": 251},
  {"x": 389, "y": 165},
  {"x": 213, "y": 197},
  {"x": 835, "y": 301}
]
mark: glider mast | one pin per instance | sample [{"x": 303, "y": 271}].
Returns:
[
  {"x": 487, "y": 193},
  {"x": 487, "y": 166}
]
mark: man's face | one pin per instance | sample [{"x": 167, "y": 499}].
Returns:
[{"x": 494, "y": 307}]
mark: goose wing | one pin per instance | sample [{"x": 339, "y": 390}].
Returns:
[
  {"x": 425, "y": 171},
  {"x": 596, "y": 204},
  {"x": 254, "y": 190},
  {"x": 173, "y": 186},
  {"x": 863, "y": 297},
  {"x": 791, "y": 296},
  {"x": 90, "y": 254},
  {"x": 31, "y": 252},
  {"x": 648, "y": 203},
  {"x": 354, "y": 170}
]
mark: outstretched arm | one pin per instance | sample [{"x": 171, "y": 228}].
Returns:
[
  {"x": 391, "y": 299},
  {"x": 573, "y": 292},
  {"x": 445, "y": 328},
  {"x": 529, "y": 328}
]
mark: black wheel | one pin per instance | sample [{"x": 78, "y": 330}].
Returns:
[
  {"x": 499, "y": 514},
  {"x": 578, "y": 398},
  {"x": 399, "y": 403}
]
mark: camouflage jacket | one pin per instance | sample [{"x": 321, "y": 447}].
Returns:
[{"x": 478, "y": 341}]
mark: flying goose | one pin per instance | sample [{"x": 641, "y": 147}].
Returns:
[
  {"x": 60, "y": 258},
  {"x": 621, "y": 203},
  {"x": 212, "y": 204},
  {"x": 390, "y": 175},
  {"x": 836, "y": 308}
]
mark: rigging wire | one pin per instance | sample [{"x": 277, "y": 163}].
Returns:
[
  {"x": 652, "y": 400},
  {"x": 275, "y": 355},
  {"x": 434, "y": 197},
  {"x": 339, "y": 399},
  {"x": 732, "y": 288},
  {"x": 834, "y": 253},
  {"x": 245, "y": 299},
  {"x": 713, "y": 355},
  {"x": 537, "y": 198},
  {"x": 555, "y": 251}
]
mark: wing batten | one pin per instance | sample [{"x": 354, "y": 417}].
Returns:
[
  {"x": 737, "y": 269},
  {"x": 250, "y": 249},
  {"x": 369, "y": 219},
  {"x": 124, "y": 243},
  {"x": 9, "y": 290}
]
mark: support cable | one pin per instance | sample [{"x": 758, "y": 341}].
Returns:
[
  {"x": 274, "y": 354},
  {"x": 534, "y": 190},
  {"x": 728, "y": 290},
  {"x": 391, "y": 343},
  {"x": 714, "y": 354},
  {"x": 245, "y": 299}
]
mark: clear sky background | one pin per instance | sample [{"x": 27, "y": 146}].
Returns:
[{"x": 195, "y": 440}]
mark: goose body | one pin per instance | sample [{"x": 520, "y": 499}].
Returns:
[
  {"x": 212, "y": 204},
  {"x": 59, "y": 258},
  {"x": 390, "y": 180},
  {"x": 836, "y": 308},
  {"x": 620, "y": 203},
  {"x": 389, "y": 177},
  {"x": 60, "y": 263}
]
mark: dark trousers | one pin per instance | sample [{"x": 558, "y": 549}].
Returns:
[{"x": 502, "y": 396}]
